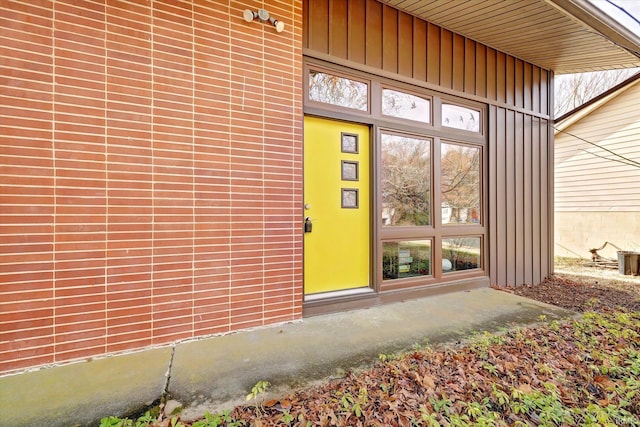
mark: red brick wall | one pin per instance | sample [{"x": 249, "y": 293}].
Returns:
[{"x": 150, "y": 174}]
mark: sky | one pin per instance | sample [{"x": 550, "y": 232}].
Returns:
[{"x": 614, "y": 8}]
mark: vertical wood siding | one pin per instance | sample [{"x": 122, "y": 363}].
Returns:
[
  {"x": 150, "y": 174},
  {"x": 519, "y": 218},
  {"x": 384, "y": 38},
  {"x": 519, "y": 143}
]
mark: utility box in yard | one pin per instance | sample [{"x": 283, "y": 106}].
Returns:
[{"x": 629, "y": 263}]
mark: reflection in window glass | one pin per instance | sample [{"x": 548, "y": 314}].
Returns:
[
  {"x": 406, "y": 106},
  {"x": 455, "y": 116},
  {"x": 461, "y": 253},
  {"x": 406, "y": 259},
  {"x": 339, "y": 91},
  {"x": 460, "y": 189},
  {"x": 405, "y": 180}
]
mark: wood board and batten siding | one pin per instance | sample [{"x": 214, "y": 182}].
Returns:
[
  {"x": 372, "y": 37},
  {"x": 597, "y": 198}
]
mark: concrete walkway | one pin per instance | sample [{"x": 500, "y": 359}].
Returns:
[{"x": 216, "y": 373}]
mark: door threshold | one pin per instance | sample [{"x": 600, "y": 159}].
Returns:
[
  {"x": 338, "y": 294},
  {"x": 362, "y": 298}
]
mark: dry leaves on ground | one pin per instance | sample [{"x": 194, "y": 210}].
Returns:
[
  {"x": 577, "y": 372},
  {"x": 561, "y": 373},
  {"x": 580, "y": 287},
  {"x": 570, "y": 373}
]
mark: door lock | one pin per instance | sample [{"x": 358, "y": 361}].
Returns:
[{"x": 307, "y": 225}]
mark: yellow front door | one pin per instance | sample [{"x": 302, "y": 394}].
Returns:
[{"x": 336, "y": 206}]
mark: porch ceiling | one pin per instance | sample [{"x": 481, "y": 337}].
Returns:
[{"x": 567, "y": 36}]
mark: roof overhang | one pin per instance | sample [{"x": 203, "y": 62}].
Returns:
[{"x": 566, "y": 36}]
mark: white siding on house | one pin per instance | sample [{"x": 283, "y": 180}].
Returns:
[
  {"x": 585, "y": 182},
  {"x": 577, "y": 232}
]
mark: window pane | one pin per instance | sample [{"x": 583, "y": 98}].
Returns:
[
  {"x": 406, "y": 106},
  {"x": 460, "y": 184},
  {"x": 406, "y": 259},
  {"x": 405, "y": 180},
  {"x": 339, "y": 91},
  {"x": 455, "y": 116},
  {"x": 461, "y": 253}
]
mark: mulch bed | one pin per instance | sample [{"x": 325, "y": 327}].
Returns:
[{"x": 582, "y": 293}]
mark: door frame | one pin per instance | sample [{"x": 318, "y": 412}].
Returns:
[{"x": 377, "y": 122}]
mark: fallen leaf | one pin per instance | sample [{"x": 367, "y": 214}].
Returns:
[
  {"x": 427, "y": 381},
  {"x": 270, "y": 403},
  {"x": 525, "y": 388},
  {"x": 604, "y": 381},
  {"x": 286, "y": 404}
]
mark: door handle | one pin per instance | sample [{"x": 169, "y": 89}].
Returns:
[{"x": 307, "y": 225}]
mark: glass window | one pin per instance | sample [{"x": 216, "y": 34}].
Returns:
[
  {"x": 460, "y": 253},
  {"x": 405, "y": 106},
  {"x": 405, "y": 180},
  {"x": 339, "y": 91},
  {"x": 455, "y": 116},
  {"x": 460, "y": 190},
  {"x": 406, "y": 259}
]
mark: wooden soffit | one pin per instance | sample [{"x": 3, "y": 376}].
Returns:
[{"x": 566, "y": 36}]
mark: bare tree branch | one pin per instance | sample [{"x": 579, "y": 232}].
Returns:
[{"x": 573, "y": 90}]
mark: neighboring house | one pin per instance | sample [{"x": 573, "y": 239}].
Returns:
[
  {"x": 161, "y": 160},
  {"x": 597, "y": 174}
]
